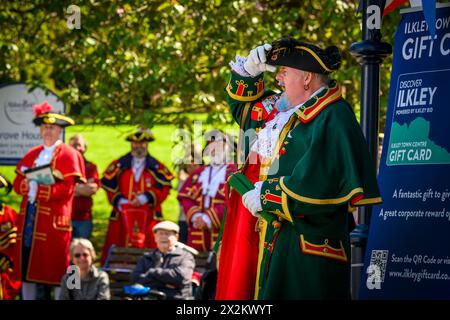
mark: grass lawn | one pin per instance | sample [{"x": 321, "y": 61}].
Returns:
[{"x": 106, "y": 143}]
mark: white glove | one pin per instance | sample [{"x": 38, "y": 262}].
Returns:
[
  {"x": 32, "y": 191},
  {"x": 204, "y": 217},
  {"x": 121, "y": 202},
  {"x": 252, "y": 199},
  {"x": 142, "y": 198},
  {"x": 256, "y": 61}
]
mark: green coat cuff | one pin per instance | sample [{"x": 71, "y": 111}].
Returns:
[{"x": 274, "y": 199}]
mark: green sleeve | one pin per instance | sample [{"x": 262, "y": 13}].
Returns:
[{"x": 242, "y": 95}]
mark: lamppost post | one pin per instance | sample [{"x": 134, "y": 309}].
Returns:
[{"x": 370, "y": 53}]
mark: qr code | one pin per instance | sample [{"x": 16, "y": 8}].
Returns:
[{"x": 379, "y": 258}]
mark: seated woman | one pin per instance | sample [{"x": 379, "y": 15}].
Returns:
[{"x": 93, "y": 283}]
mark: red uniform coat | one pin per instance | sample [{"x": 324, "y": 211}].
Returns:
[
  {"x": 82, "y": 206},
  {"x": 192, "y": 200},
  {"x": 9, "y": 288},
  {"x": 118, "y": 181},
  {"x": 49, "y": 256}
]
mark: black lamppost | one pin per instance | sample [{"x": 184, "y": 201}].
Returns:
[{"x": 370, "y": 52}]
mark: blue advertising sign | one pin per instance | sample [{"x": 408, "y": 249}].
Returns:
[{"x": 408, "y": 251}]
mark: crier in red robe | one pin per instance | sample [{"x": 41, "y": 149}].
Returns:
[
  {"x": 142, "y": 183},
  {"x": 46, "y": 178},
  {"x": 202, "y": 195},
  {"x": 9, "y": 288},
  {"x": 49, "y": 255}
]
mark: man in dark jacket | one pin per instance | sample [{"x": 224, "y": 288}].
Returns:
[{"x": 168, "y": 268}]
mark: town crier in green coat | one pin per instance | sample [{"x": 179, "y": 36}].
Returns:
[{"x": 312, "y": 172}]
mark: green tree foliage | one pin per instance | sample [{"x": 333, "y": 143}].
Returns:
[{"x": 147, "y": 62}]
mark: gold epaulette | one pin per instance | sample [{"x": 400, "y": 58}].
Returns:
[{"x": 112, "y": 170}]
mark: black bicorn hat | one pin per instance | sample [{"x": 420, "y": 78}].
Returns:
[
  {"x": 44, "y": 114},
  {"x": 141, "y": 135},
  {"x": 296, "y": 54},
  {"x": 4, "y": 183}
]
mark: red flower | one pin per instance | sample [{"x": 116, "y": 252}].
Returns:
[
  {"x": 42, "y": 108},
  {"x": 282, "y": 151}
]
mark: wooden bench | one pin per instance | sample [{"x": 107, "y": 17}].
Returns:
[{"x": 122, "y": 261}]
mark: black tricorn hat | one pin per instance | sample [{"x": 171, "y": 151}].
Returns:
[
  {"x": 4, "y": 183},
  {"x": 296, "y": 54},
  {"x": 142, "y": 135},
  {"x": 45, "y": 115}
]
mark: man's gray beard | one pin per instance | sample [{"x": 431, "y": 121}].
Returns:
[
  {"x": 219, "y": 159},
  {"x": 216, "y": 161},
  {"x": 283, "y": 104},
  {"x": 139, "y": 153}
]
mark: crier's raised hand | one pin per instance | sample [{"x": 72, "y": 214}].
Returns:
[{"x": 256, "y": 61}]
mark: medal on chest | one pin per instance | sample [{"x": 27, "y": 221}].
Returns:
[{"x": 148, "y": 182}]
